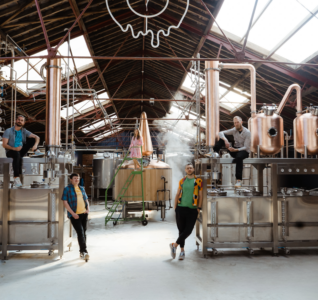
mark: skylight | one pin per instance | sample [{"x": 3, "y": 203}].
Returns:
[
  {"x": 81, "y": 108},
  {"x": 234, "y": 15},
  {"x": 304, "y": 45},
  {"x": 79, "y": 48},
  {"x": 99, "y": 137},
  {"x": 21, "y": 68},
  {"x": 278, "y": 21},
  {"x": 232, "y": 101},
  {"x": 97, "y": 125}
]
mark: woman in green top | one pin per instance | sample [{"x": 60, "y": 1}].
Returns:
[{"x": 187, "y": 206}]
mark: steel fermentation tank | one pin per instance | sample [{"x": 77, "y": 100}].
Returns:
[{"x": 103, "y": 170}]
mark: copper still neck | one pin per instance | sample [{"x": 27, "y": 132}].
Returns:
[
  {"x": 147, "y": 148},
  {"x": 299, "y": 105}
]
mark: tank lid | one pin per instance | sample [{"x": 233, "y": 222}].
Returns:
[{"x": 269, "y": 110}]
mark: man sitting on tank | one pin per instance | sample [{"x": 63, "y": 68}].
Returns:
[
  {"x": 18, "y": 141},
  {"x": 240, "y": 149}
]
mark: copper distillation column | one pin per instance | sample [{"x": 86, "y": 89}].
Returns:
[
  {"x": 212, "y": 112},
  {"x": 53, "y": 109}
]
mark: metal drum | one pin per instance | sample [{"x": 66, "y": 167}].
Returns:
[
  {"x": 267, "y": 131},
  {"x": 306, "y": 132},
  {"x": 103, "y": 170}
]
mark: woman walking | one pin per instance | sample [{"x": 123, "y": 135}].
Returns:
[{"x": 135, "y": 152}]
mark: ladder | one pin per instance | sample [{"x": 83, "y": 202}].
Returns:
[{"x": 120, "y": 202}]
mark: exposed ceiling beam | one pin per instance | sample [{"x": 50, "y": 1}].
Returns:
[
  {"x": 89, "y": 46},
  {"x": 202, "y": 40},
  {"x": 23, "y": 6},
  {"x": 78, "y": 33}
]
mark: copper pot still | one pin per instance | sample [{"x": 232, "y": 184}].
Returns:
[
  {"x": 306, "y": 131},
  {"x": 147, "y": 148},
  {"x": 267, "y": 131}
]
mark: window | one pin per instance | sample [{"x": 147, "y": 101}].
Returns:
[
  {"x": 79, "y": 48},
  {"x": 232, "y": 101},
  {"x": 89, "y": 128},
  {"x": 279, "y": 20},
  {"x": 81, "y": 108},
  {"x": 104, "y": 135}
]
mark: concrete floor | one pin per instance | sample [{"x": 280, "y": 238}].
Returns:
[{"x": 130, "y": 261}]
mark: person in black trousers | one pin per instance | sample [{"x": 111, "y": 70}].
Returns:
[
  {"x": 18, "y": 141},
  {"x": 76, "y": 202},
  {"x": 241, "y": 148},
  {"x": 187, "y": 206}
]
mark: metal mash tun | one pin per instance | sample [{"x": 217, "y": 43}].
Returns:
[{"x": 268, "y": 211}]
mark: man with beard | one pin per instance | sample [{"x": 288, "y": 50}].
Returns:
[
  {"x": 18, "y": 141},
  {"x": 240, "y": 149},
  {"x": 187, "y": 206}
]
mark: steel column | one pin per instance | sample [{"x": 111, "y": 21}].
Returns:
[
  {"x": 274, "y": 207},
  {"x": 5, "y": 211}
]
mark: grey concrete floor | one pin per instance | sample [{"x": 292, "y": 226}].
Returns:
[{"x": 130, "y": 261}]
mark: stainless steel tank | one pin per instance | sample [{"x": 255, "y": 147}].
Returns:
[
  {"x": 103, "y": 171},
  {"x": 267, "y": 131},
  {"x": 306, "y": 131}
]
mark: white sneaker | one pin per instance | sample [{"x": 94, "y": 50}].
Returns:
[
  {"x": 17, "y": 183},
  {"x": 182, "y": 255},
  {"x": 212, "y": 154},
  {"x": 38, "y": 152},
  {"x": 238, "y": 184},
  {"x": 85, "y": 256}
]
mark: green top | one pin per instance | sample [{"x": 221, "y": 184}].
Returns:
[{"x": 187, "y": 193}]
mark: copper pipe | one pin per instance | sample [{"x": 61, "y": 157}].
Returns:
[
  {"x": 53, "y": 103},
  {"x": 253, "y": 81},
  {"x": 212, "y": 112},
  {"x": 286, "y": 96},
  {"x": 147, "y": 148}
]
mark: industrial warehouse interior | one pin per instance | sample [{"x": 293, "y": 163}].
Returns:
[{"x": 159, "y": 149}]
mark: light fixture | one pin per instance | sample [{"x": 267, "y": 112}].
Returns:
[{"x": 129, "y": 26}]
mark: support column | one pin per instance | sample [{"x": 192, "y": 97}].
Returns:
[
  {"x": 260, "y": 180},
  {"x": 274, "y": 208},
  {"x": 61, "y": 212},
  {"x": 5, "y": 211},
  {"x": 204, "y": 212}
]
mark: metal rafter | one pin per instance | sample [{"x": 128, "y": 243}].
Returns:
[{"x": 88, "y": 42}]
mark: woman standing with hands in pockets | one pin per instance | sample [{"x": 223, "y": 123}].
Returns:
[{"x": 135, "y": 152}]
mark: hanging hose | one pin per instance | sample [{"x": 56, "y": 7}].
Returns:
[{"x": 41, "y": 71}]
